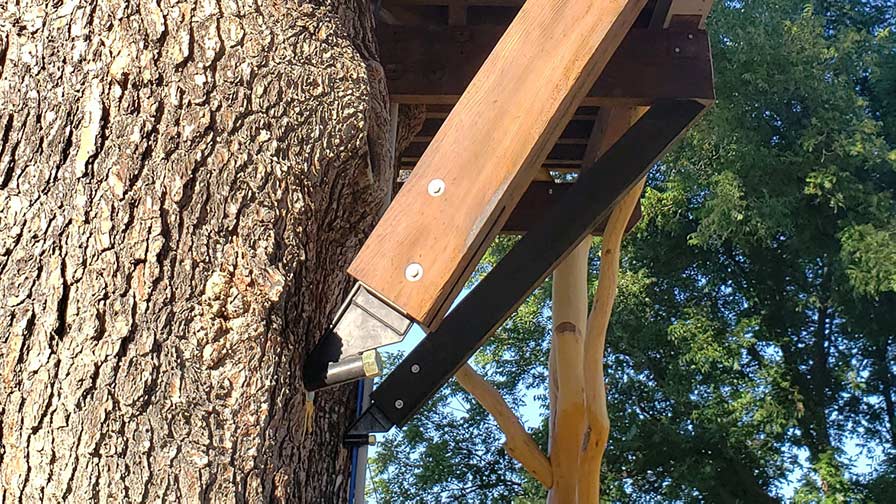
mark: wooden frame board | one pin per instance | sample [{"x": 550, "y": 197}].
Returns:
[
  {"x": 504, "y": 125},
  {"x": 435, "y": 64}
]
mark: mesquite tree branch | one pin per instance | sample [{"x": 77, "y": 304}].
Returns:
[
  {"x": 570, "y": 309},
  {"x": 598, "y": 422},
  {"x": 519, "y": 443},
  {"x": 610, "y": 125}
]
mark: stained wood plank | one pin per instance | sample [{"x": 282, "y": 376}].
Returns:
[
  {"x": 488, "y": 150},
  {"x": 490, "y": 3},
  {"x": 457, "y": 13},
  {"x": 434, "y": 65}
]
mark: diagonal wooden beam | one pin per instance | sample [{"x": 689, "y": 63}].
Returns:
[
  {"x": 538, "y": 200},
  {"x": 511, "y": 114},
  {"x": 435, "y": 65}
]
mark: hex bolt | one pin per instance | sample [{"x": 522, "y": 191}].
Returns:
[
  {"x": 436, "y": 187},
  {"x": 413, "y": 272},
  {"x": 399, "y": 404},
  {"x": 415, "y": 368}
]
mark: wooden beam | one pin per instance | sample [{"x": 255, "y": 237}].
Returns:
[
  {"x": 434, "y": 65},
  {"x": 457, "y": 13},
  {"x": 537, "y": 201},
  {"x": 697, "y": 9},
  {"x": 488, "y": 151},
  {"x": 564, "y": 151},
  {"x": 659, "y": 14},
  {"x": 440, "y": 114},
  {"x": 485, "y": 3},
  {"x": 564, "y": 165}
]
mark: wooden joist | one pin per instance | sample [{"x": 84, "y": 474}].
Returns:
[
  {"x": 435, "y": 111},
  {"x": 485, "y": 3},
  {"x": 434, "y": 232},
  {"x": 657, "y": 14},
  {"x": 697, "y": 10},
  {"x": 435, "y": 64}
]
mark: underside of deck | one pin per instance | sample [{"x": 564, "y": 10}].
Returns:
[{"x": 432, "y": 49}]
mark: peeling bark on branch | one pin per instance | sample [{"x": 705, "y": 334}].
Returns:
[
  {"x": 570, "y": 309},
  {"x": 181, "y": 187},
  {"x": 597, "y": 429},
  {"x": 610, "y": 125}
]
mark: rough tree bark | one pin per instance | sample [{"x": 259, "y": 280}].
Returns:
[{"x": 181, "y": 187}]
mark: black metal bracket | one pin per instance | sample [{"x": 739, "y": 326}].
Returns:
[{"x": 466, "y": 328}]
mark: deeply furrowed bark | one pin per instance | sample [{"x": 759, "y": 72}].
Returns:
[{"x": 181, "y": 187}]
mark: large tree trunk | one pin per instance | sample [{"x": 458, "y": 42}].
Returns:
[{"x": 181, "y": 187}]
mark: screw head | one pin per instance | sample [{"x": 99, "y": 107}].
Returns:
[
  {"x": 413, "y": 272},
  {"x": 436, "y": 187},
  {"x": 415, "y": 368},
  {"x": 399, "y": 404},
  {"x": 677, "y": 50}
]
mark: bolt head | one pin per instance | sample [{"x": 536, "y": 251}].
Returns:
[
  {"x": 436, "y": 187},
  {"x": 415, "y": 368},
  {"x": 399, "y": 404}
]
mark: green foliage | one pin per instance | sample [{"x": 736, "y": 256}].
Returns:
[{"x": 754, "y": 325}]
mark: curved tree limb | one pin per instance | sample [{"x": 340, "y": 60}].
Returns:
[
  {"x": 598, "y": 422},
  {"x": 519, "y": 443},
  {"x": 610, "y": 125}
]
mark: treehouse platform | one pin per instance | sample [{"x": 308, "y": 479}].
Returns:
[{"x": 540, "y": 116}]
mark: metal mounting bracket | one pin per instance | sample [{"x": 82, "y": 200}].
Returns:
[
  {"x": 442, "y": 352},
  {"x": 347, "y": 352}
]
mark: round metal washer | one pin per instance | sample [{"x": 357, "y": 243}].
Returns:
[
  {"x": 436, "y": 187},
  {"x": 413, "y": 272}
]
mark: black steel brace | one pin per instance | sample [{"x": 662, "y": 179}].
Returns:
[{"x": 466, "y": 328}]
